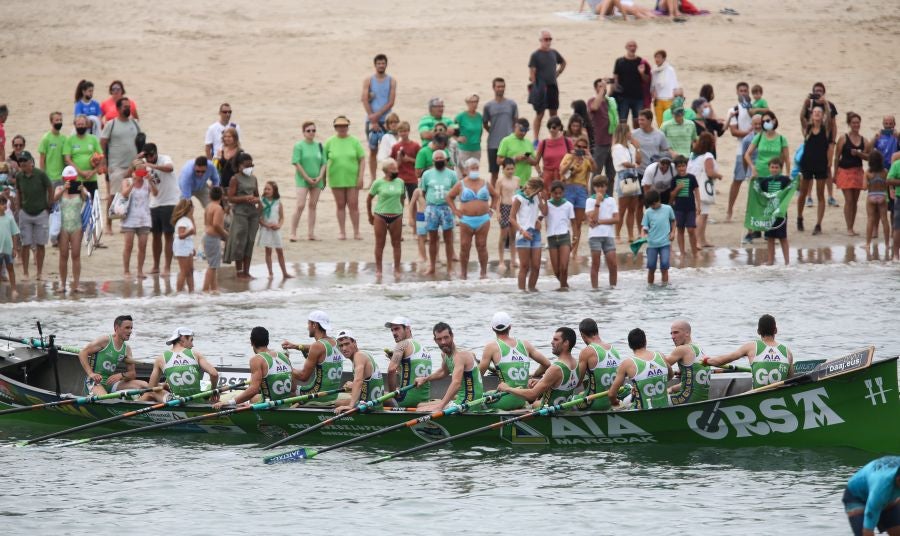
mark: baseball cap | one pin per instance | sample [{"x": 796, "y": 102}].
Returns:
[
  {"x": 24, "y": 156},
  {"x": 179, "y": 333},
  {"x": 677, "y": 110},
  {"x": 321, "y": 318},
  {"x": 345, "y": 334},
  {"x": 341, "y": 121},
  {"x": 398, "y": 321},
  {"x": 500, "y": 321},
  {"x": 69, "y": 173}
]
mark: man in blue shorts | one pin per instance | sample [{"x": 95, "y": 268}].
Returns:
[
  {"x": 435, "y": 184},
  {"x": 872, "y": 497}
]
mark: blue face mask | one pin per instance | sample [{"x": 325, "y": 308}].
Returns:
[{"x": 474, "y": 174}]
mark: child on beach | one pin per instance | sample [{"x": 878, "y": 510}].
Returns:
[
  {"x": 270, "y": 221},
  {"x": 560, "y": 215},
  {"x": 686, "y": 203},
  {"x": 759, "y": 104},
  {"x": 658, "y": 227},
  {"x": 183, "y": 245},
  {"x": 775, "y": 183},
  {"x": 214, "y": 235},
  {"x": 602, "y": 215},
  {"x": 875, "y": 182},
  {"x": 417, "y": 222},
  {"x": 529, "y": 208},
  {"x": 9, "y": 244},
  {"x": 507, "y": 185}
]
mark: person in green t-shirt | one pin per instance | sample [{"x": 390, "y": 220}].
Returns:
[
  {"x": 388, "y": 214},
  {"x": 893, "y": 179},
  {"x": 435, "y": 116},
  {"x": 79, "y": 151},
  {"x": 679, "y": 132},
  {"x": 309, "y": 176},
  {"x": 515, "y": 146},
  {"x": 51, "y": 149},
  {"x": 344, "y": 157},
  {"x": 759, "y": 104},
  {"x": 470, "y": 128}
]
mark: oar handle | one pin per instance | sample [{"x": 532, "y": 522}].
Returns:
[{"x": 37, "y": 343}]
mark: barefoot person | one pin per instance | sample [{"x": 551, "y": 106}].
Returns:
[
  {"x": 435, "y": 184},
  {"x": 100, "y": 358},
  {"x": 214, "y": 235},
  {"x": 181, "y": 368},
  {"x": 460, "y": 365},
  {"x": 477, "y": 200},
  {"x": 378, "y": 94},
  {"x": 506, "y": 186},
  {"x": 848, "y": 168},
  {"x": 309, "y": 177},
  {"x": 877, "y": 202},
  {"x": 243, "y": 194},
  {"x": 528, "y": 210},
  {"x": 560, "y": 218},
  {"x": 510, "y": 358},
  {"x": 271, "y": 220},
  {"x": 603, "y": 215},
  {"x": 387, "y": 217},
  {"x": 71, "y": 198},
  {"x": 770, "y": 361},
  {"x": 9, "y": 245},
  {"x": 344, "y": 157}
]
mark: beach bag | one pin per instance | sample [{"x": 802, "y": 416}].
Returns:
[
  {"x": 629, "y": 184},
  {"x": 697, "y": 167},
  {"x": 118, "y": 209},
  {"x": 55, "y": 222}
]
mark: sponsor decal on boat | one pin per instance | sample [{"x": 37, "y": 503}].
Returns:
[
  {"x": 522, "y": 434},
  {"x": 430, "y": 431},
  {"x": 587, "y": 431},
  {"x": 876, "y": 391}
]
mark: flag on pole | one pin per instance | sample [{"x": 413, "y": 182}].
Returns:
[{"x": 764, "y": 209}]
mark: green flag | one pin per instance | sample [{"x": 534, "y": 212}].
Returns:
[{"x": 764, "y": 208}]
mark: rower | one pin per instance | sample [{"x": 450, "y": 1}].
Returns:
[
  {"x": 872, "y": 497},
  {"x": 558, "y": 384},
  {"x": 597, "y": 364},
  {"x": 100, "y": 358},
  {"x": 770, "y": 361},
  {"x": 648, "y": 372},
  {"x": 324, "y": 361},
  {"x": 694, "y": 386},
  {"x": 270, "y": 372},
  {"x": 367, "y": 384},
  {"x": 181, "y": 368},
  {"x": 465, "y": 377},
  {"x": 510, "y": 358},
  {"x": 411, "y": 361}
]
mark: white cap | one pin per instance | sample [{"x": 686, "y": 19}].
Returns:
[
  {"x": 321, "y": 318},
  {"x": 500, "y": 321},
  {"x": 69, "y": 171},
  {"x": 179, "y": 333},
  {"x": 345, "y": 334},
  {"x": 398, "y": 321}
]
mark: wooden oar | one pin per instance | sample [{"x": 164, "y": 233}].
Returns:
[
  {"x": 306, "y": 454},
  {"x": 546, "y": 410},
  {"x": 362, "y": 406},
  {"x": 268, "y": 404},
  {"x": 37, "y": 343},
  {"x": 83, "y": 400},
  {"x": 128, "y": 414}
]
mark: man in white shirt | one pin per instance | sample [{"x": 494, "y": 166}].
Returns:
[
  {"x": 162, "y": 173},
  {"x": 739, "y": 125},
  {"x": 214, "y": 132}
]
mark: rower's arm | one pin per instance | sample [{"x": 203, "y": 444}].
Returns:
[
  {"x": 583, "y": 358},
  {"x": 541, "y": 359},
  {"x": 459, "y": 369},
  {"x": 746, "y": 350},
  {"x": 487, "y": 357},
  {"x": 85, "y": 353},
  {"x": 157, "y": 372},
  {"x": 208, "y": 367},
  {"x": 359, "y": 374},
  {"x": 256, "y": 377},
  {"x": 316, "y": 350},
  {"x": 676, "y": 356},
  {"x": 436, "y": 375},
  {"x": 547, "y": 382},
  {"x": 130, "y": 369},
  {"x": 394, "y": 366},
  {"x": 790, "y": 357},
  {"x": 624, "y": 368}
]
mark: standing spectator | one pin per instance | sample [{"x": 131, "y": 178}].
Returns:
[
  {"x": 893, "y": 180},
  {"x": 379, "y": 92},
  {"x": 544, "y": 68},
  {"x": 576, "y": 170},
  {"x": 389, "y": 139},
  {"x": 529, "y": 208},
  {"x": 196, "y": 177},
  {"x": 79, "y": 151},
  {"x": 603, "y": 214},
  {"x": 137, "y": 220},
  {"x": 652, "y": 143},
  {"x": 678, "y": 100},
  {"x": 344, "y": 156},
  {"x": 425, "y": 155},
  {"x": 118, "y": 142},
  {"x": 679, "y": 133},
  {"x": 765, "y": 146},
  {"x": 435, "y": 116},
  {"x": 9, "y": 245},
  {"x": 775, "y": 183},
  {"x": 225, "y": 158},
  {"x": 4, "y": 115},
  {"x": 659, "y": 177},
  {"x": 686, "y": 203},
  {"x": 658, "y": 227},
  {"x": 213, "y": 236},
  {"x": 817, "y": 98},
  {"x": 51, "y": 149},
  {"x": 86, "y": 105},
  {"x": 708, "y": 94},
  {"x": 215, "y": 130},
  {"x": 876, "y": 202},
  {"x": 663, "y": 83},
  {"x": 627, "y": 160},
  {"x": 308, "y": 160},
  {"x": 703, "y": 166},
  {"x": 499, "y": 117},
  {"x": 605, "y": 118},
  {"x": 271, "y": 219},
  {"x": 759, "y": 104},
  {"x": 470, "y": 124},
  {"x": 183, "y": 221},
  {"x": 477, "y": 202},
  {"x": 815, "y": 165},
  {"x": 243, "y": 194},
  {"x": 515, "y": 146},
  {"x": 70, "y": 196},
  {"x": 404, "y": 152},
  {"x": 886, "y": 140},
  {"x": 436, "y": 183},
  {"x": 18, "y": 149},
  {"x": 560, "y": 215},
  {"x": 576, "y": 129},
  {"x": 387, "y": 218},
  {"x": 35, "y": 197},
  {"x": 740, "y": 126},
  {"x": 630, "y": 73},
  {"x": 848, "y": 168},
  {"x": 507, "y": 186},
  {"x": 110, "y": 107},
  {"x": 551, "y": 151},
  {"x": 161, "y": 173}
]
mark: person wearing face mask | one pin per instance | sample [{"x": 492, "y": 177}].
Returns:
[
  {"x": 435, "y": 184},
  {"x": 110, "y": 107},
  {"x": 388, "y": 214},
  {"x": 79, "y": 151},
  {"x": 196, "y": 178},
  {"x": 765, "y": 146},
  {"x": 50, "y": 149},
  {"x": 117, "y": 140},
  {"x": 70, "y": 196},
  {"x": 478, "y": 201},
  {"x": 243, "y": 194},
  {"x": 886, "y": 140}
]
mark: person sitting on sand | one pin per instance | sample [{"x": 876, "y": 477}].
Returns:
[{"x": 609, "y": 8}]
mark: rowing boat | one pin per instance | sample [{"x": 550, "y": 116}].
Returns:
[{"x": 845, "y": 402}]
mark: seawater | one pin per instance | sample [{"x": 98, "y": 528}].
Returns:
[{"x": 189, "y": 484}]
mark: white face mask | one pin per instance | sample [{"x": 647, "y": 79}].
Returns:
[
  {"x": 768, "y": 125},
  {"x": 248, "y": 171},
  {"x": 706, "y": 112}
]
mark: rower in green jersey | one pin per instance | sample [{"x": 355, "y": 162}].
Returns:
[
  {"x": 694, "y": 386},
  {"x": 770, "y": 362},
  {"x": 597, "y": 364},
  {"x": 367, "y": 384},
  {"x": 465, "y": 378},
  {"x": 648, "y": 372},
  {"x": 181, "y": 368},
  {"x": 410, "y": 361},
  {"x": 100, "y": 359},
  {"x": 324, "y": 365},
  {"x": 511, "y": 358},
  {"x": 271, "y": 374},
  {"x": 558, "y": 384}
]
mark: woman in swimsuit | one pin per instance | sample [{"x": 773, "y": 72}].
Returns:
[
  {"x": 387, "y": 216},
  {"x": 876, "y": 201},
  {"x": 71, "y": 198},
  {"x": 478, "y": 200}
]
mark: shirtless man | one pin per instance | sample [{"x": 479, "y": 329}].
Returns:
[
  {"x": 100, "y": 358},
  {"x": 506, "y": 187},
  {"x": 214, "y": 220}
]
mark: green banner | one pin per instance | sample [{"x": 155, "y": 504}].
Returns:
[{"x": 764, "y": 208}]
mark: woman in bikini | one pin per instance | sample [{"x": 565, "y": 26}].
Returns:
[
  {"x": 478, "y": 200},
  {"x": 876, "y": 201}
]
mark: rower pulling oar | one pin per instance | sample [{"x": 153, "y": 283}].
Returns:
[
  {"x": 544, "y": 411},
  {"x": 770, "y": 362},
  {"x": 303, "y": 453},
  {"x": 82, "y": 400}
]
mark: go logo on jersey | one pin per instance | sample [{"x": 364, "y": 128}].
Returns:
[
  {"x": 334, "y": 373},
  {"x": 519, "y": 374},
  {"x": 377, "y": 392},
  {"x": 422, "y": 370},
  {"x": 281, "y": 387},
  {"x": 654, "y": 389},
  {"x": 607, "y": 379},
  {"x": 765, "y": 377},
  {"x": 180, "y": 379},
  {"x": 108, "y": 366},
  {"x": 702, "y": 376}
]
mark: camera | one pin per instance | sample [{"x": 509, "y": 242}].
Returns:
[
  {"x": 579, "y": 152},
  {"x": 813, "y": 96}
]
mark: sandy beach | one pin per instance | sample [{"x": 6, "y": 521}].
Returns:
[{"x": 282, "y": 62}]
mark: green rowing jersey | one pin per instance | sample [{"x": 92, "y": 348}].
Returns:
[
  {"x": 373, "y": 386},
  {"x": 770, "y": 364},
  {"x": 694, "y": 380},
  {"x": 182, "y": 372},
  {"x": 328, "y": 374},
  {"x": 416, "y": 365},
  {"x": 566, "y": 388},
  {"x": 106, "y": 360},
  {"x": 277, "y": 382},
  {"x": 650, "y": 380},
  {"x": 600, "y": 378},
  {"x": 514, "y": 368},
  {"x": 471, "y": 387}
]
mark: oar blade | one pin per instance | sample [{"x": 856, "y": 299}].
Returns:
[{"x": 290, "y": 456}]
